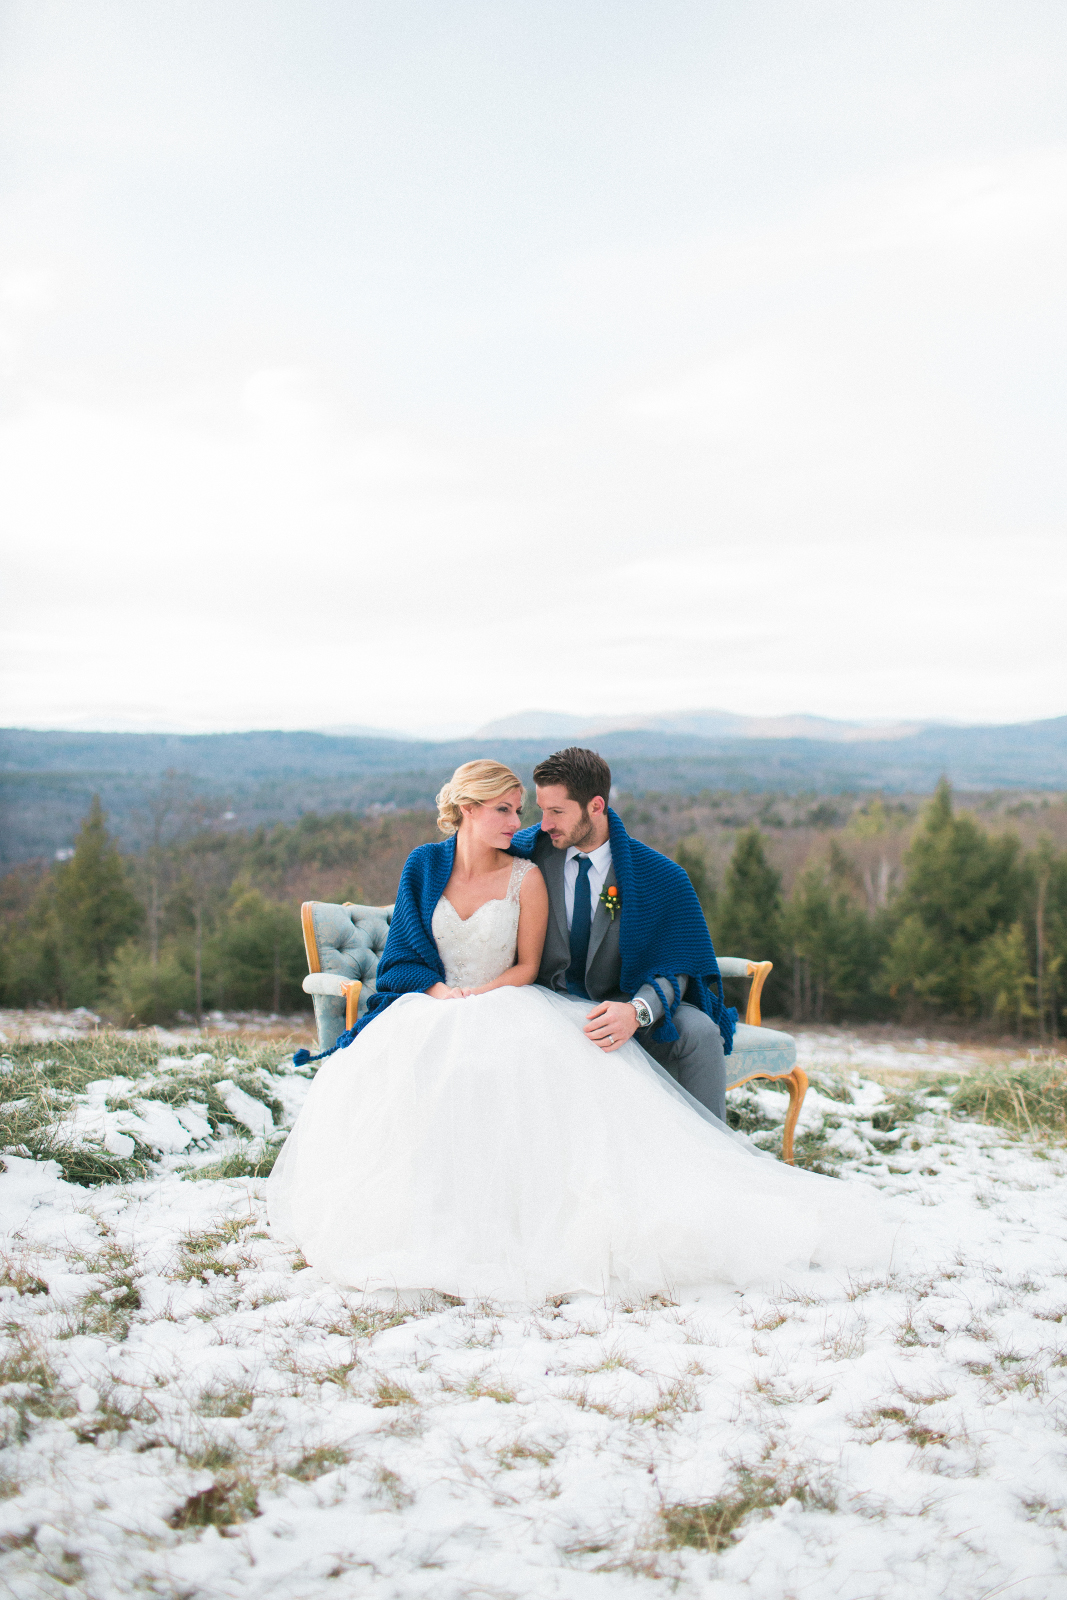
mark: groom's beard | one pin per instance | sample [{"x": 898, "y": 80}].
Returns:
[{"x": 579, "y": 836}]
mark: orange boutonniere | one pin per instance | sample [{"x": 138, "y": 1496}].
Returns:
[{"x": 611, "y": 900}]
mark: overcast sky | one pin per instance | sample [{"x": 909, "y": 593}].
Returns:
[{"x": 410, "y": 363}]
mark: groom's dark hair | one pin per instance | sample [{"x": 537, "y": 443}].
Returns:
[{"x": 581, "y": 772}]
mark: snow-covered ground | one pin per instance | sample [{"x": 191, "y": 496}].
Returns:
[{"x": 189, "y": 1410}]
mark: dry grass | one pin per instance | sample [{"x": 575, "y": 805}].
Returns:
[
  {"x": 231, "y": 1498},
  {"x": 43, "y": 1083},
  {"x": 613, "y": 1360},
  {"x": 674, "y": 1398},
  {"x": 15, "y": 1275},
  {"x": 234, "y": 1401},
  {"x": 519, "y": 1453},
  {"x": 489, "y": 1388},
  {"x": 389, "y": 1486},
  {"x": 392, "y": 1394},
  {"x": 214, "y": 1253},
  {"x": 109, "y": 1309},
  {"x": 715, "y": 1524},
  {"x": 36, "y": 1394},
  {"x": 315, "y": 1463},
  {"x": 1030, "y": 1099},
  {"x": 364, "y": 1321},
  {"x": 238, "y": 1165}
]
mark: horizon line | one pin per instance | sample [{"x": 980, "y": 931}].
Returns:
[{"x": 399, "y": 735}]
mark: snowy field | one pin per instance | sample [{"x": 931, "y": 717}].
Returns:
[{"x": 189, "y": 1411}]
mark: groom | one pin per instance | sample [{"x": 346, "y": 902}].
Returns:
[{"x": 625, "y": 931}]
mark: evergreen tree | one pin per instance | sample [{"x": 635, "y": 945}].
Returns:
[
  {"x": 257, "y": 957},
  {"x": 750, "y": 910},
  {"x": 833, "y": 943},
  {"x": 748, "y": 917},
  {"x": 95, "y": 910},
  {"x": 1053, "y": 986},
  {"x": 960, "y": 887},
  {"x": 1002, "y": 977},
  {"x": 1046, "y": 921},
  {"x": 38, "y": 962}
]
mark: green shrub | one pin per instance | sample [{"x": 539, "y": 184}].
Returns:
[{"x": 139, "y": 992}]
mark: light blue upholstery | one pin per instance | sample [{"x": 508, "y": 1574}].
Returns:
[
  {"x": 760, "y": 1050},
  {"x": 350, "y": 939},
  {"x": 733, "y": 966}
]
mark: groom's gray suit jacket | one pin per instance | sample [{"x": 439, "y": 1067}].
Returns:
[{"x": 696, "y": 1057}]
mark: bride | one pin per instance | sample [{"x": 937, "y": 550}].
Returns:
[{"x": 471, "y": 1139}]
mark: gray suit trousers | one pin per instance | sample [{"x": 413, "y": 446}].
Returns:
[{"x": 696, "y": 1059}]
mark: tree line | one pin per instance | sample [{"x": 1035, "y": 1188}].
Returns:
[
  {"x": 974, "y": 931},
  {"x": 201, "y": 918},
  {"x": 971, "y": 928}
]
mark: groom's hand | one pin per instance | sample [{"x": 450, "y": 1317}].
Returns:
[{"x": 610, "y": 1024}]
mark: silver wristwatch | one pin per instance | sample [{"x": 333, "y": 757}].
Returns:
[{"x": 644, "y": 1015}]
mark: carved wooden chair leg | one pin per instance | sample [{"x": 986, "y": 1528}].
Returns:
[{"x": 797, "y": 1084}]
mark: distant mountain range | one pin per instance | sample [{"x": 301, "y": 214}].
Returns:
[
  {"x": 698, "y": 724},
  {"x": 48, "y": 779}
]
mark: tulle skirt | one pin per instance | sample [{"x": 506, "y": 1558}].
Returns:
[{"x": 484, "y": 1148}]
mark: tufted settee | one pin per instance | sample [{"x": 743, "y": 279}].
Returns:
[{"x": 343, "y": 944}]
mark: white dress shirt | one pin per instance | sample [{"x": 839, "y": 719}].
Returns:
[{"x": 599, "y": 870}]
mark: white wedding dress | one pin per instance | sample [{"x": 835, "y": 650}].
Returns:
[{"x": 484, "y": 1147}]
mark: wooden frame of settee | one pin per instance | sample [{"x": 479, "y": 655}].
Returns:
[{"x": 349, "y": 989}]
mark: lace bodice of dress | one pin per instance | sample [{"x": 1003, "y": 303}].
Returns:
[{"x": 479, "y": 949}]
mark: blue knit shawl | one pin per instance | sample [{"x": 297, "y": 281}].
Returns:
[{"x": 662, "y": 931}]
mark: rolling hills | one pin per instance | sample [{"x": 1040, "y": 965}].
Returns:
[{"x": 47, "y": 779}]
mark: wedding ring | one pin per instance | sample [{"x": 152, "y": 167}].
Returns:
[{"x": 610, "y": 1039}]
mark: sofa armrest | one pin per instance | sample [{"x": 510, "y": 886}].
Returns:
[
  {"x": 346, "y": 989},
  {"x": 758, "y": 971}
]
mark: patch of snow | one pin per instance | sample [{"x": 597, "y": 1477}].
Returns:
[
  {"x": 255, "y": 1116},
  {"x": 193, "y": 1118},
  {"x": 24, "y": 1186},
  {"x": 118, "y": 1144}
]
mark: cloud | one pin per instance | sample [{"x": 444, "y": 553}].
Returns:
[{"x": 410, "y": 381}]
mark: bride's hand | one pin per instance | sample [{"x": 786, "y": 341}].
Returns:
[{"x": 441, "y": 991}]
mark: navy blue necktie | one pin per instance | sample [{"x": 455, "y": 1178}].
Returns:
[{"x": 581, "y": 917}]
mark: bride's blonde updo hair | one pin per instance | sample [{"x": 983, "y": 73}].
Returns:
[{"x": 473, "y": 783}]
